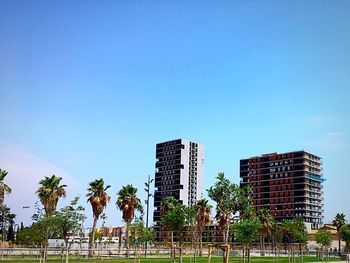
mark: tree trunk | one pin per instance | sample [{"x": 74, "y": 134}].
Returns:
[
  {"x": 67, "y": 252},
  {"x": 243, "y": 254},
  {"x": 127, "y": 241},
  {"x": 180, "y": 252},
  {"x": 263, "y": 245},
  {"x": 119, "y": 241},
  {"x": 180, "y": 246},
  {"x": 92, "y": 238},
  {"x": 46, "y": 244},
  {"x": 172, "y": 244},
  {"x": 227, "y": 234},
  {"x": 248, "y": 251},
  {"x": 285, "y": 246},
  {"x": 200, "y": 244},
  {"x": 339, "y": 244}
]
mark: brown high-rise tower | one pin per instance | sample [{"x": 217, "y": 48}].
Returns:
[{"x": 288, "y": 184}]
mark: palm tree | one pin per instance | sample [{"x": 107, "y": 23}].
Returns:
[
  {"x": 128, "y": 203},
  {"x": 4, "y": 188},
  {"x": 203, "y": 210},
  {"x": 98, "y": 198},
  {"x": 266, "y": 221},
  {"x": 338, "y": 222},
  {"x": 168, "y": 203},
  {"x": 49, "y": 192}
]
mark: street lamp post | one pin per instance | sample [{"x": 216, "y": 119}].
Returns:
[{"x": 147, "y": 189}]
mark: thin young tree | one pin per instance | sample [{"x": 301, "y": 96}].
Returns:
[
  {"x": 128, "y": 203},
  {"x": 98, "y": 198},
  {"x": 247, "y": 231},
  {"x": 323, "y": 238},
  {"x": 68, "y": 221},
  {"x": 338, "y": 222},
  {"x": 176, "y": 219},
  {"x": 227, "y": 197}
]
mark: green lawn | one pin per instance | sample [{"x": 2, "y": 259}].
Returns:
[{"x": 166, "y": 260}]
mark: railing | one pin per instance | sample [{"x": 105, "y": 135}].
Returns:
[{"x": 156, "y": 252}]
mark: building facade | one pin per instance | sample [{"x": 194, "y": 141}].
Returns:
[
  {"x": 288, "y": 184},
  {"x": 179, "y": 173}
]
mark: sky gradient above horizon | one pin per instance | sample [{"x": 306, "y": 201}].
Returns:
[{"x": 88, "y": 88}]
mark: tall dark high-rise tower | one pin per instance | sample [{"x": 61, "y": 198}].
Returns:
[{"x": 179, "y": 173}]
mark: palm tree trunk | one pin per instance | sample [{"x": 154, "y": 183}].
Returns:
[
  {"x": 339, "y": 244},
  {"x": 92, "y": 238},
  {"x": 2, "y": 195},
  {"x": 200, "y": 244}
]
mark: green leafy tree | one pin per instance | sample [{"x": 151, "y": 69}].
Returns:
[
  {"x": 203, "y": 210},
  {"x": 68, "y": 221},
  {"x": 30, "y": 236},
  {"x": 323, "y": 238},
  {"x": 98, "y": 199},
  {"x": 7, "y": 218},
  {"x": 245, "y": 203},
  {"x": 247, "y": 231},
  {"x": 338, "y": 222},
  {"x": 11, "y": 233},
  {"x": 128, "y": 203},
  {"x": 43, "y": 227},
  {"x": 300, "y": 235},
  {"x": 176, "y": 219},
  {"x": 227, "y": 197},
  {"x": 139, "y": 233},
  {"x": 345, "y": 235}
]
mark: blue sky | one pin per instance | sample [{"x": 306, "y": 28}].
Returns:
[{"x": 88, "y": 88}]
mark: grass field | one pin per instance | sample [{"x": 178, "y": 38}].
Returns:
[{"x": 166, "y": 260}]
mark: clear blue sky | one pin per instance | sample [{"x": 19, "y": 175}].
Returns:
[{"x": 88, "y": 88}]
